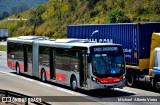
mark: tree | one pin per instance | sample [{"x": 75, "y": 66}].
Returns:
[
  {"x": 35, "y": 18},
  {"x": 92, "y": 3},
  {"x": 117, "y": 16},
  {"x": 155, "y": 6},
  {"x": 73, "y": 4}
]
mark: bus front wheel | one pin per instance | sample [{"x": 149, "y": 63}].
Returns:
[
  {"x": 74, "y": 83},
  {"x": 43, "y": 76}
]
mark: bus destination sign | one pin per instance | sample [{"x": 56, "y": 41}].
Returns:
[{"x": 105, "y": 49}]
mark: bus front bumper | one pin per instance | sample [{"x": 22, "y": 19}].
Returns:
[{"x": 94, "y": 85}]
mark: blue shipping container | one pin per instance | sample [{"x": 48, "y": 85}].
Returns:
[{"x": 134, "y": 37}]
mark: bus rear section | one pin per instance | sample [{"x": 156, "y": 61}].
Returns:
[
  {"x": 20, "y": 52},
  {"x": 107, "y": 66}
]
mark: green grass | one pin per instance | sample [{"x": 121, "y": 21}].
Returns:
[{"x": 3, "y": 48}]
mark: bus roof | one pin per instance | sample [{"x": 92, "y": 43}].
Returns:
[
  {"x": 62, "y": 43},
  {"x": 26, "y": 39},
  {"x": 74, "y": 44}
]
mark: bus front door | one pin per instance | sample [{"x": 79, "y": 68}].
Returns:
[
  {"x": 52, "y": 64},
  {"x": 83, "y": 70}
]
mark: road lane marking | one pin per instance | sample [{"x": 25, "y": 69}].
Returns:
[
  {"x": 26, "y": 78},
  {"x": 65, "y": 90},
  {"x": 7, "y": 73},
  {"x": 2, "y": 74},
  {"x": 44, "y": 84},
  {"x": 15, "y": 75},
  {"x": 128, "y": 91}
]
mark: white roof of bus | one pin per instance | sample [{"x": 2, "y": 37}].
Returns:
[
  {"x": 78, "y": 44},
  {"x": 23, "y": 39},
  {"x": 66, "y": 43}
]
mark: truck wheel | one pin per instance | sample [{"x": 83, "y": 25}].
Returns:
[
  {"x": 156, "y": 85},
  {"x": 74, "y": 83},
  {"x": 130, "y": 78},
  {"x": 17, "y": 69},
  {"x": 43, "y": 76}
]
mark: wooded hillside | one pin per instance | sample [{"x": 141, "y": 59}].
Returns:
[{"x": 53, "y": 17}]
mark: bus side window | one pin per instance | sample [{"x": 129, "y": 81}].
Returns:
[
  {"x": 44, "y": 56},
  {"x": 74, "y": 60}
]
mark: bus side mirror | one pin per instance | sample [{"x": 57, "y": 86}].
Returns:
[{"x": 89, "y": 58}]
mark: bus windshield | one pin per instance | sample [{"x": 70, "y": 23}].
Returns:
[{"x": 108, "y": 63}]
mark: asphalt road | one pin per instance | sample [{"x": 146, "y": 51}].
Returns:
[{"x": 9, "y": 80}]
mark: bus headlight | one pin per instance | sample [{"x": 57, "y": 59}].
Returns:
[
  {"x": 123, "y": 78},
  {"x": 94, "y": 80}
]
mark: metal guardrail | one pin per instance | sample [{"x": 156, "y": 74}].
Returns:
[{"x": 8, "y": 96}]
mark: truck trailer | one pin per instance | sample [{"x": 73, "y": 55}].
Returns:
[
  {"x": 141, "y": 45},
  {"x": 3, "y": 34}
]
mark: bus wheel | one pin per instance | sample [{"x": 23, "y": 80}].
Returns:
[
  {"x": 43, "y": 76},
  {"x": 74, "y": 83},
  {"x": 130, "y": 78},
  {"x": 17, "y": 69}
]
